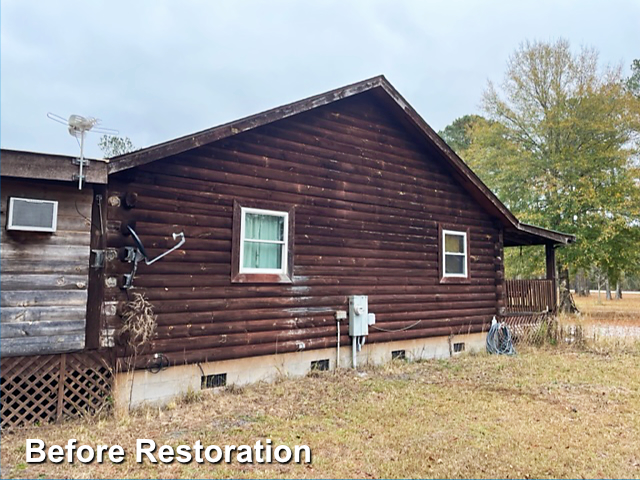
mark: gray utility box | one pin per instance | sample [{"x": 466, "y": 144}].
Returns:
[{"x": 358, "y": 315}]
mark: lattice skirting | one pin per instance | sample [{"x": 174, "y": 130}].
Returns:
[
  {"x": 527, "y": 326},
  {"x": 46, "y": 388}
]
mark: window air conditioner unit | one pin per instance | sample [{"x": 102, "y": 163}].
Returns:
[{"x": 32, "y": 215}]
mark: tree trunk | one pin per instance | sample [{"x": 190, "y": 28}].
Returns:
[
  {"x": 619, "y": 290},
  {"x": 582, "y": 284},
  {"x": 607, "y": 285},
  {"x": 566, "y": 303}
]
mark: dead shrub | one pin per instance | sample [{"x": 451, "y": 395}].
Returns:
[{"x": 139, "y": 322}]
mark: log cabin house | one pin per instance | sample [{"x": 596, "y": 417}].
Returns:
[{"x": 290, "y": 218}]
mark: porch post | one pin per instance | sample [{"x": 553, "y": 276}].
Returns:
[
  {"x": 499, "y": 269},
  {"x": 550, "y": 253}
]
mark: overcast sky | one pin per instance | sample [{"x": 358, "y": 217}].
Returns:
[{"x": 156, "y": 70}]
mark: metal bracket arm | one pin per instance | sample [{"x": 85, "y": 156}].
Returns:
[{"x": 175, "y": 247}]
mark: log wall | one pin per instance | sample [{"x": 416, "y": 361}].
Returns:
[
  {"x": 368, "y": 199},
  {"x": 45, "y": 275}
]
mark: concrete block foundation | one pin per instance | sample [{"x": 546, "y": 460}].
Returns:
[{"x": 141, "y": 387}]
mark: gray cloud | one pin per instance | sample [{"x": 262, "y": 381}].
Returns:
[{"x": 156, "y": 70}]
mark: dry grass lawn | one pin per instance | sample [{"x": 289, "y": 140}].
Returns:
[
  {"x": 599, "y": 309},
  {"x": 552, "y": 412},
  {"x": 549, "y": 412}
]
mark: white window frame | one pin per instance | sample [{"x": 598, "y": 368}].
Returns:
[
  {"x": 284, "y": 243},
  {"x": 464, "y": 254},
  {"x": 12, "y": 226}
]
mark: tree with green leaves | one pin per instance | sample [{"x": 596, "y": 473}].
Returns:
[
  {"x": 112, "y": 145},
  {"x": 458, "y": 133},
  {"x": 561, "y": 150},
  {"x": 633, "y": 82}
]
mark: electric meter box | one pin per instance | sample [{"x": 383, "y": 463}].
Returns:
[{"x": 358, "y": 315}]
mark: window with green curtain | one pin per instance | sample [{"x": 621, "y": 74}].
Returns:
[{"x": 264, "y": 241}]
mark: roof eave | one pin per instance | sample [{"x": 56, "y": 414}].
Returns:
[
  {"x": 552, "y": 236},
  {"x": 194, "y": 140},
  {"x": 464, "y": 173},
  {"x": 379, "y": 83},
  {"x": 46, "y": 166}
]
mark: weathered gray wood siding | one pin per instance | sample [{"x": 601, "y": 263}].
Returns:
[
  {"x": 44, "y": 276},
  {"x": 369, "y": 198}
]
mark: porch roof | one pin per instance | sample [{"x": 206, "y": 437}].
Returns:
[{"x": 525, "y": 234}]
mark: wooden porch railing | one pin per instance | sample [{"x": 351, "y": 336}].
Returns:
[{"x": 530, "y": 296}]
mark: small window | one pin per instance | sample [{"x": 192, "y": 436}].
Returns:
[
  {"x": 454, "y": 254},
  {"x": 263, "y": 241}
]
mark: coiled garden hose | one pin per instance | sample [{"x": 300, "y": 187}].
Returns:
[{"x": 499, "y": 339}]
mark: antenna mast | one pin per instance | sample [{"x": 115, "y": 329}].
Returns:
[{"x": 78, "y": 126}]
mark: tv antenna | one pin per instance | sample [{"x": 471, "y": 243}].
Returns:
[{"x": 78, "y": 126}]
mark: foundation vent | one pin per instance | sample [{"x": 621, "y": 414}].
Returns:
[
  {"x": 213, "y": 381},
  {"x": 398, "y": 355},
  {"x": 458, "y": 347},
  {"x": 320, "y": 365}
]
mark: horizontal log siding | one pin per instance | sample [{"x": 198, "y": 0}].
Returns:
[
  {"x": 45, "y": 275},
  {"x": 368, "y": 199}
]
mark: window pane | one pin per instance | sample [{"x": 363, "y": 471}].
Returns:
[
  {"x": 262, "y": 255},
  {"x": 453, "y": 243},
  {"x": 454, "y": 264},
  {"x": 263, "y": 227}
]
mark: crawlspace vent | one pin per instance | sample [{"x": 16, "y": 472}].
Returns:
[
  {"x": 213, "y": 381},
  {"x": 320, "y": 365},
  {"x": 398, "y": 355}
]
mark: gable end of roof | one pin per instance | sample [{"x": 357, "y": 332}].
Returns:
[{"x": 469, "y": 180}]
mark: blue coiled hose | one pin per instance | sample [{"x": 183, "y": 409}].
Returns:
[{"x": 499, "y": 339}]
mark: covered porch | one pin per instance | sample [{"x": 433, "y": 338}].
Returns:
[{"x": 528, "y": 301}]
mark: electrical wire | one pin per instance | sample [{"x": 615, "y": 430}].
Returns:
[
  {"x": 81, "y": 214},
  {"x": 158, "y": 363},
  {"x": 99, "y": 200},
  {"x": 499, "y": 339},
  {"x": 398, "y": 330}
]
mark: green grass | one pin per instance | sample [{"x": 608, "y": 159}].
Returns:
[{"x": 551, "y": 412}]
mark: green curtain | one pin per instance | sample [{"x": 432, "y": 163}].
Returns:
[{"x": 259, "y": 254}]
